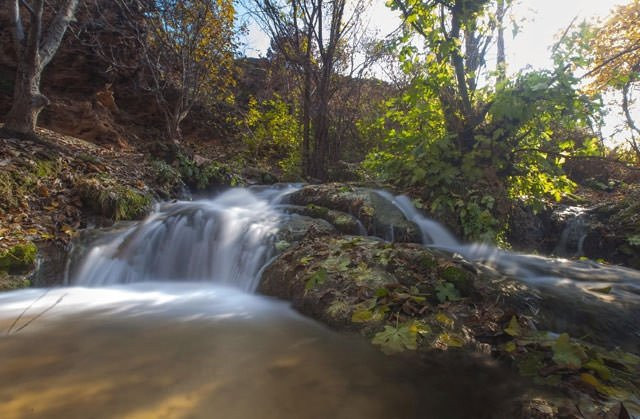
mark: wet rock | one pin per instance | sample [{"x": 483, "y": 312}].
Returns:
[
  {"x": 51, "y": 264},
  {"x": 343, "y": 222},
  {"x": 379, "y": 216},
  {"x": 294, "y": 228}
]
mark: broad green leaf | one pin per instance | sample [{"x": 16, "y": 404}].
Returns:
[
  {"x": 318, "y": 278},
  {"x": 566, "y": 354},
  {"x": 393, "y": 340},
  {"x": 446, "y": 291}
]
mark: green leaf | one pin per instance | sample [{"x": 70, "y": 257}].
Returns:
[
  {"x": 446, "y": 291},
  {"x": 514, "y": 328},
  {"x": 318, "y": 278},
  {"x": 394, "y": 340},
  {"x": 362, "y": 316},
  {"x": 599, "y": 368},
  {"x": 304, "y": 261},
  {"x": 567, "y": 354},
  {"x": 450, "y": 340}
]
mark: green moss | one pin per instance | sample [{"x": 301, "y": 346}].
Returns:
[
  {"x": 45, "y": 168},
  {"x": 460, "y": 278},
  {"x": 118, "y": 202},
  {"x": 317, "y": 211},
  {"x": 165, "y": 174},
  {"x": 8, "y": 187},
  {"x": 18, "y": 259},
  {"x": 428, "y": 262}
]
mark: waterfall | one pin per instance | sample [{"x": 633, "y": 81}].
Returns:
[
  {"x": 227, "y": 239},
  {"x": 576, "y": 228},
  {"x": 536, "y": 270}
]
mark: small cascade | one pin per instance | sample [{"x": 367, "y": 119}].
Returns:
[
  {"x": 576, "y": 222},
  {"x": 225, "y": 240},
  {"x": 533, "y": 269},
  {"x": 432, "y": 231}
]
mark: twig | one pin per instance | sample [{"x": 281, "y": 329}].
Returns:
[
  {"x": 41, "y": 313},
  {"x": 25, "y": 311}
]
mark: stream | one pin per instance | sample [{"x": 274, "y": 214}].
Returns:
[{"x": 160, "y": 320}]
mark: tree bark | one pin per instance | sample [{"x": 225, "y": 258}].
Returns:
[
  {"x": 28, "y": 102},
  {"x": 33, "y": 53},
  {"x": 501, "y": 59}
]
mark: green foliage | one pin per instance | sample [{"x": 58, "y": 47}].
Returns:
[
  {"x": 165, "y": 174},
  {"x": 318, "y": 278},
  {"x": 19, "y": 258},
  {"x": 274, "y": 134},
  {"x": 207, "y": 176},
  {"x": 446, "y": 291},
  {"x": 510, "y": 145}
]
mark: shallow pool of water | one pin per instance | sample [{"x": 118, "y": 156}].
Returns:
[{"x": 197, "y": 350}]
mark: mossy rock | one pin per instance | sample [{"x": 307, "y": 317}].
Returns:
[
  {"x": 378, "y": 216},
  {"x": 339, "y": 279},
  {"x": 18, "y": 259},
  {"x": 113, "y": 200},
  {"x": 461, "y": 278},
  {"x": 389, "y": 293},
  {"x": 343, "y": 222},
  {"x": 294, "y": 228},
  {"x": 167, "y": 178},
  {"x": 13, "y": 282}
]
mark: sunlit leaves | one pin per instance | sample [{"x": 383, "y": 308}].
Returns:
[{"x": 400, "y": 338}]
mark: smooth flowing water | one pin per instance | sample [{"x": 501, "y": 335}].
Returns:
[
  {"x": 535, "y": 270},
  {"x": 159, "y": 321}
]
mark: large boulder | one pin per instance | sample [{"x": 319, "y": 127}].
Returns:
[{"x": 377, "y": 214}]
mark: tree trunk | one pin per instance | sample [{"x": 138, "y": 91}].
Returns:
[
  {"x": 33, "y": 53},
  {"x": 501, "y": 59},
  {"x": 28, "y": 102},
  {"x": 306, "y": 118}
]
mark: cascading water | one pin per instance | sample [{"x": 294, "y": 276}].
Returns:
[
  {"x": 575, "y": 231},
  {"x": 225, "y": 240},
  {"x": 157, "y": 322},
  {"x": 536, "y": 270}
]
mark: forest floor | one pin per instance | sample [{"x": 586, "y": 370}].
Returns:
[{"x": 52, "y": 186}]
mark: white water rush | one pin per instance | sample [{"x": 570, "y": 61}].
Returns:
[{"x": 225, "y": 240}]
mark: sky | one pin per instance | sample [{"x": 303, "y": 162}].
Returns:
[
  {"x": 544, "y": 19},
  {"x": 541, "y": 23}
]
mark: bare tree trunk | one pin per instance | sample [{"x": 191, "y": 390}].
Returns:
[
  {"x": 33, "y": 53},
  {"x": 635, "y": 130},
  {"x": 28, "y": 102},
  {"x": 306, "y": 109},
  {"x": 501, "y": 60},
  {"x": 321, "y": 126}
]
